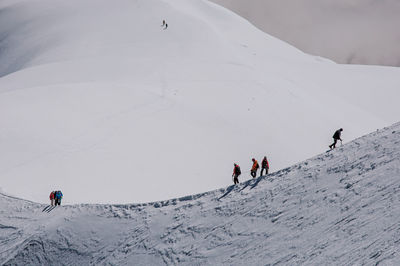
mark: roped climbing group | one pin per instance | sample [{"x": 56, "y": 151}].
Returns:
[
  {"x": 55, "y": 198},
  {"x": 265, "y": 164},
  {"x": 253, "y": 171}
]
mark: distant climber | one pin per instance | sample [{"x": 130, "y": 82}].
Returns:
[
  {"x": 166, "y": 26},
  {"x": 264, "y": 165},
  {"x": 52, "y": 198},
  {"x": 336, "y": 137},
  {"x": 254, "y": 168},
  {"x": 236, "y": 173},
  {"x": 163, "y": 23},
  {"x": 58, "y": 196}
]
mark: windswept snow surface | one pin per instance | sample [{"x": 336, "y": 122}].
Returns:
[
  {"x": 96, "y": 99},
  {"x": 338, "y": 208}
]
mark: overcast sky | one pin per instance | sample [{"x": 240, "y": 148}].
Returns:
[{"x": 346, "y": 31}]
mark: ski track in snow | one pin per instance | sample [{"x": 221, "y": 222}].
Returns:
[{"x": 338, "y": 208}]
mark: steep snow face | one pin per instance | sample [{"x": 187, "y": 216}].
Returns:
[
  {"x": 96, "y": 99},
  {"x": 346, "y": 31},
  {"x": 340, "y": 207}
]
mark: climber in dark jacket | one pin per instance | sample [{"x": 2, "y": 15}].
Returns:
[
  {"x": 236, "y": 173},
  {"x": 264, "y": 165},
  {"x": 336, "y": 137}
]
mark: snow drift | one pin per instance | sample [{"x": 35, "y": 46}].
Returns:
[
  {"x": 340, "y": 207},
  {"x": 96, "y": 99}
]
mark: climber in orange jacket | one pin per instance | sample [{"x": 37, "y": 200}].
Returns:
[{"x": 254, "y": 168}]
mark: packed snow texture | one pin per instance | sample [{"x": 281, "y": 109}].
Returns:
[
  {"x": 346, "y": 31},
  {"x": 98, "y": 100},
  {"x": 339, "y": 208}
]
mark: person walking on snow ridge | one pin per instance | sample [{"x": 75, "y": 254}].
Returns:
[
  {"x": 264, "y": 165},
  {"x": 58, "y": 196},
  {"x": 52, "y": 198},
  {"x": 164, "y": 25},
  {"x": 236, "y": 173},
  {"x": 254, "y": 168},
  {"x": 336, "y": 137}
]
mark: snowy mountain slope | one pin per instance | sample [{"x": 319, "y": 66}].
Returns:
[
  {"x": 338, "y": 208},
  {"x": 107, "y": 106}
]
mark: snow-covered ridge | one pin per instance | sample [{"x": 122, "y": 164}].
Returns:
[
  {"x": 340, "y": 207},
  {"x": 96, "y": 99}
]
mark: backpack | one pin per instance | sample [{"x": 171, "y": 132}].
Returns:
[
  {"x": 337, "y": 134},
  {"x": 238, "y": 172}
]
